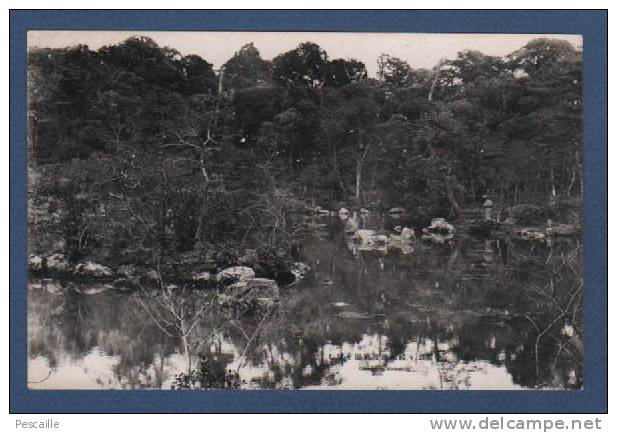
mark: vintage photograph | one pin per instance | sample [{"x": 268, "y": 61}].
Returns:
[{"x": 314, "y": 211}]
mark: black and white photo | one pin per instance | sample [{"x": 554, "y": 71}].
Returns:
[{"x": 280, "y": 210}]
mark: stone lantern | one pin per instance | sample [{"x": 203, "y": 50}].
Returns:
[{"x": 488, "y": 209}]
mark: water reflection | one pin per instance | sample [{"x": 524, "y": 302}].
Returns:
[{"x": 435, "y": 316}]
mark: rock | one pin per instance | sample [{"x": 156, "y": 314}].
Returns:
[
  {"x": 91, "y": 269},
  {"x": 203, "y": 277},
  {"x": 127, "y": 271},
  {"x": 254, "y": 288},
  {"x": 404, "y": 245},
  {"x": 343, "y": 211},
  {"x": 396, "y": 210},
  {"x": 58, "y": 263},
  {"x": 235, "y": 274},
  {"x": 439, "y": 225},
  {"x": 378, "y": 240},
  {"x": 35, "y": 263},
  {"x": 408, "y": 234},
  {"x": 364, "y": 235},
  {"x": 531, "y": 233},
  {"x": 300, "y": 268},
  {"x": 299, "y": 271}
]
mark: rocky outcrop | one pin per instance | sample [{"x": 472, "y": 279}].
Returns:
[
  {"x": 408, "y": 234},
  {"x": 439, "y": 226},
  {"x": 36, "y": 263},
  {"x": 91, "y": 269},
  {"x": 58, "y": 263},
  {"x": 370, "y": 237},
  {"x": 235, "y": 274},
  {"x": 300, "y": 269},
  {"x": 365, "y": 236},
  {"x": 531, "y": 233},
  {"x": 402, "y": 241}
]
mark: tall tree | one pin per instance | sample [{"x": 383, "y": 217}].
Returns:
[
  {"x": 246, "y": 68},
  {"x": 306, "y": 65}
]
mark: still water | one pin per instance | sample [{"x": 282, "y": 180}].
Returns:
[{"x": 428, "y": 315}]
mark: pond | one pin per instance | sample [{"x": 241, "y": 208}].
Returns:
[{"x": 427, "y": 315}]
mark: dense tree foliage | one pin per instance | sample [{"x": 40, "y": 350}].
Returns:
[{"x": 195, "y": 157}]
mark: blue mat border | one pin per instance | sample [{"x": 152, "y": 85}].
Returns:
[{"x": 592, "y": 24}]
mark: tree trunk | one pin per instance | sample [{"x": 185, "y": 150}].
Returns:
[
  {"x": 435, "y": 79},
  {"x": 359, "y": 165},
  {"x": 452, "y": 199},
  {"x": 358, "y": 180},
  {"x": 553, "y": 191}
]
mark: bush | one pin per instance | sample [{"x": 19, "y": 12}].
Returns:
[
  {"x": 274, "y": 258},
  {"x": 227, "y": 254}
]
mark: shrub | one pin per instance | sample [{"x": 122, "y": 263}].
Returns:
[
  {"x": 227, "y": 254},
  {"x": 274, "y": 258}
]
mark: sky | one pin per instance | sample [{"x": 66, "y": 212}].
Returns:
[{"x": 420, "y": 50}]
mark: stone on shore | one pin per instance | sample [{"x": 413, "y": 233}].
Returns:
[
  {"x": 235, "y": 274},
  {"x": 439, "y": 226},
  {"x": 58, "y": 263},
  {"x": 408, "y": 234},
  {"x": 35, "y": 263},
  {"x": 91, "y": 269}
]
